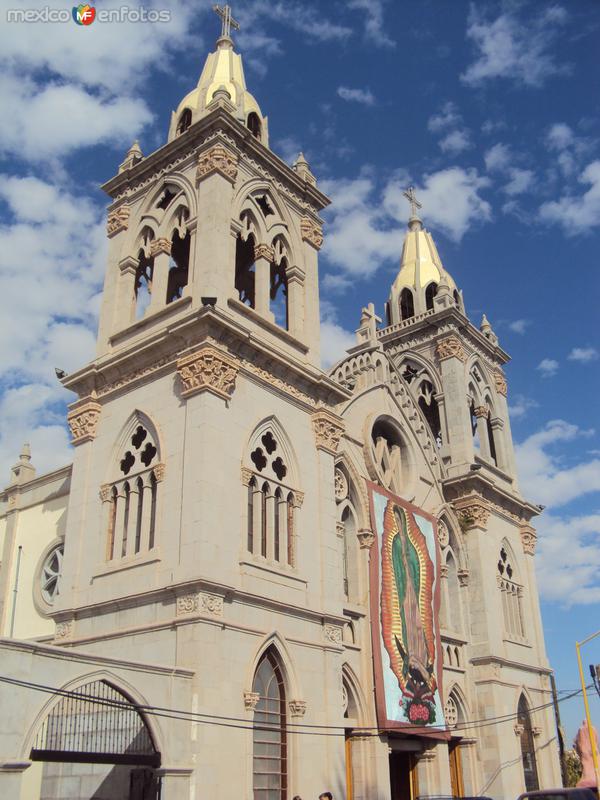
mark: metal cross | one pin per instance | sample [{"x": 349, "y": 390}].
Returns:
[
  {"x": 227, "y": 21},
  {"x": 414, "y": 203}
]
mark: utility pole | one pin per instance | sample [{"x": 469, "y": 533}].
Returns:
[{"x": 559, "y": 731}]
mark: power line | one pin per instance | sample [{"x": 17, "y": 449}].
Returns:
[{"x": 232, "y": 722}]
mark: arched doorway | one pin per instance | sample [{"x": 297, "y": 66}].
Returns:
[
  {"x": 97, "y": 739},
  {"x": 525, "y": 730}
]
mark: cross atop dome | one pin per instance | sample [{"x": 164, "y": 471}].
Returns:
[
  {"x": 415, "y": 220},
  {"x": 227, "y": 21}
]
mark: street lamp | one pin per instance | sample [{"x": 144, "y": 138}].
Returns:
[{"x": 586, "y": 704}]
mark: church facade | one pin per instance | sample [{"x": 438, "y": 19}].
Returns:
[{"x": 187, "y": 609}]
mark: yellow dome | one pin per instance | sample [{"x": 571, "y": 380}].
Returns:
[{"x": 420, "y": 263}]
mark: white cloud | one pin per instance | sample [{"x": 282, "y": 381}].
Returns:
[
  {"x": 583, "y": 354},
  {"x": 520, "y": 405},
  {"x": 520, "y": 181},
  {"x": 374, "y": 24},
  {"x": 455, "y": 142},
  {"x": 513, "y": 48},
  {"x": 364, "y": 96},
  {"x": 300, "y": 17},
  {"x": 559, "y": 136},
  {"x": 519, "y": 325},
  {"x": 289, "y": 147},
  {"x": 335, "y": 339},
  {"x": 447, "y": 117},
  {"x": 497, "y": 158},
  {"x": 577, "y": 214},
  {"x": 542, "y": 475},
  {"x": 548, "y": 367}
]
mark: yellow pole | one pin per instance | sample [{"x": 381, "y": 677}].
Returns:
[{"x": 587, "y": 715}]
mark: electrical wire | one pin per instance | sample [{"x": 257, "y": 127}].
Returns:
[{"x": 233, "y": 722}]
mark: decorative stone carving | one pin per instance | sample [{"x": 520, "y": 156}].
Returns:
[
  {"x": 311, "y": 232},
  {"x": 105, "y": 492},
  {"x": 264, "y": 251},
  {"x": 528, "y": 539},
  {"x": 500, "y": 382},
  {"x": 451, "y": 347},
  {"x": 451, "y": 712},
  {"x": 210, "y": 370},
  {"x": 333, "y": 633},
  {"x": 200, "y": 602},
  {"x": 366, "y": 538},
  {"x": 246, "y": 476},
  {"x": 463, "y": 577},
  {"x": 159, "y": 472},
  {"x": 481, "y": 411},
  {"x": 474, "y": 513},
  {"x": 217, "y": 159},
  {"x": 212, "y": 603},
  {"x": 328, "y": 430},
  {"x": 187, "y": 604},
  {"x": 158, "y": 246},
  {"x": 442, "y": 534},
  {"x": 298, "y": 499},
  {"x": 427, "y": 755},
  {"x": 341, "y": 485},
  {"x": 339, "y": 529},
  {"x": 64, "y": 630},
  {"x": 297, "y": 708},
  {"x": 250, "y": 700},
  {"x": 444, "y": 571},
  {"x": 83, "y": 421},
  {"x": 118, "y": 220},
  {"x": 519, "y": 729},
  {"x": 536, "y": 731}
]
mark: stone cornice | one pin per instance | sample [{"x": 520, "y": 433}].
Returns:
[
  {"x": 328, "y": 429},
  {"x": 500, "y": 502},
  {"x": 208, "y": 369},
  {"x": 40, "y": 481},
  {"x": 165, "y": 159},
  {"x": 83, "y": 420},
  {"x": 484, "y": 661},
  {"x": 160, "y": 350}
]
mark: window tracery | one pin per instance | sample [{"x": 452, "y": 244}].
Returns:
[
  {"x": 270, "y": 751},
  {"x": 389, "y": 456},
  {"x": 347, "y": 527},
  {"x": 50, "y": 574},
  {"x": 511, "y": 594}
]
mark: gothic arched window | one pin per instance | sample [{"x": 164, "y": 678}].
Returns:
[
  {"x": 525, "y": 730},
  {"x": 430, "y": 293},
  {"x": 185, "y": 120},
  {"x": 270, "y": 761},
  {"x": 254, "y": 125},
  {"x": 278, "y": 290},
  {"x": 271, "y": 501},
  {"x": 407, "y": 304},
  {"x": 511, "y": 592},
  {"x": 430, "y": 408},
  {"x": 131, "y": 497},
  {"x": 144, "y": 274},
  {"x": 179, "y": 261},
  {"x": 389, "y": 455},
  {"x": 245, "y": 274},
  {"x": 347, "y": 528}
]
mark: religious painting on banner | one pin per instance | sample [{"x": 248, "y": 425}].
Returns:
[{"x": 405, "y": 599}]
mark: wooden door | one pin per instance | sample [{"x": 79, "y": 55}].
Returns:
[{"x": 456, "y": 776}]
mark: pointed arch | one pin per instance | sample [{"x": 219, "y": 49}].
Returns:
[
  {"x": 357, "y": 491},
  {"x": 277, "y": 643},
  {"x": 174, "y": 180},
  {"x": 284, "y": 449},
  {"x": 525, "y": 731},
  {"x": 357, "y": 695},
  {"x": 123, "y": 442}
]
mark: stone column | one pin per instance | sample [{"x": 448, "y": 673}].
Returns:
[
  {"x": 509, "y": 464},
  {"x": 12, "y": 778},
  {"x": 498, "y": 434},
  {"x": 134, "y": 500},
  {"x": 295, "y": 299},
  {"x": 160, "y": 250},
  {"x": 481, "y": 415},
  {"x": 125, "y": 300},
  {"x": 312, "y": 237},
  {"x": 263, "y": 256},
  {"x": 452, "y": 357},
  {"x": 117, "y": 224}
]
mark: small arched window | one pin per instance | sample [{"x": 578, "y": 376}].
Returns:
[
  {"x": 254, "y": 125},
  {"x": 456, "y": 296},
  {"x": 430, "y": 293},
  {"x": 525, "y": 729},
  {"x": 185, "y": 120},
  {"x": 511, "y": 592},
  {"x": 270, "y": 762},
  {"x": 407, "y": 304},
  {"x": 245, "y": 272},
  {"x": 179, "y": 261}
]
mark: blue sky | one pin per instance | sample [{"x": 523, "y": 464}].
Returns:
[{"x": 490, "y": 109}]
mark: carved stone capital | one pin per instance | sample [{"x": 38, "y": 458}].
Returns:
[
  {"x": 199, "y": 603},
  {"x": 83, "y": 421},
  {"x": 366, "y": 538},
  {"x": 463, "y": 577},
  {"x": 246, "y": 476},
  {"x": 208, "y": 370},
  {"x": 64, "y": 630},
  {"x": 500, "y": 382},
  {"x": 328, "y": 430},
  {"x": 481, "y": 411},
  {"x": 158, "y": 246},
  {"x": 159, "y": 472},
  {"x": 251, "y": 700},
  {"x": 264, "y": 251},
  {"x": 297, "y": 708},
  {"x": 128, "y": 265},
  {"x": 311, "y": 232},
  {"x": 217, "y": 159},
  {"x": 332, "y": 633},
  {"x": 118, "y": 220},
  {"x": 528, "y": 539},
  {"x": 444, "y": 571},
  {"x": 474, "y": 512},
  {"x": 519, "y": 729},
  {"x": 297, "y": 499},
  {"x": 105, "y": 492},
  {"x": 451, "y": 347}
]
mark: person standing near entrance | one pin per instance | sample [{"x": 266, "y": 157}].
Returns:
[{"x": 326, "y": 796}]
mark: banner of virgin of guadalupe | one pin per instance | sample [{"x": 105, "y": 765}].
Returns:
[{"x": 405, "y": 598}]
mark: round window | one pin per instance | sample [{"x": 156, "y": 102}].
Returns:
[{"x": 50, "y": 574}]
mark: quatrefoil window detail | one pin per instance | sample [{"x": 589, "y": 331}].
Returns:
[
  {"x": 258, "y": 459},
  {"x": 138, "y": 437},
  {"x": 504, "y": 564},
  {"x": 279, "y": 468},
  {"x": 269, "y": 442},
  {"x": 127, "y": 462},
  {"x": 148, "y": 454}
]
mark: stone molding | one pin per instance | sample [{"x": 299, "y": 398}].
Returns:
[
  {"x": 341, "y": 484},
  {"x": 451, "y": 347},
  {"x": 500, "y": 383},
  {"x": 474, "y": 512},
  {"x": 442, "y": 533},
  {"x": 217, "y": 159},
  {"x": 208, "y": 370},
  {"x": 159, "y": 472},
  {"x": 528, "y": 539},
  {"x": 251, "y": 700},
  {"x": 463, "y": 577},
  {"x": 128, "y": 265},
  {"x": 339, "y": 529},
  {"x": 427, "y": 755},
  {"x": 64, "y": 630},
  {"x": 158, "y": 246},
  {"x": 297, "y": 708},
  {"x": 246, "y": 476},
  {"x": 332, "y": 633},
  {"x": 83, "y": 421},
  {"x": 328, "y": 430},
  {"x": 118, "y": 220},
  {"x": 200, "y": 602},
  {"x": 264, "y": 251},
  {"x": 311, "y": 232},
  {"x": 519, "y": 729},
  {"x": 444, "y": 571},
  {"x": 105, "y": 492},
  {"x": 366, "y": 538},
  {"x": 481, "y": 411}
]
